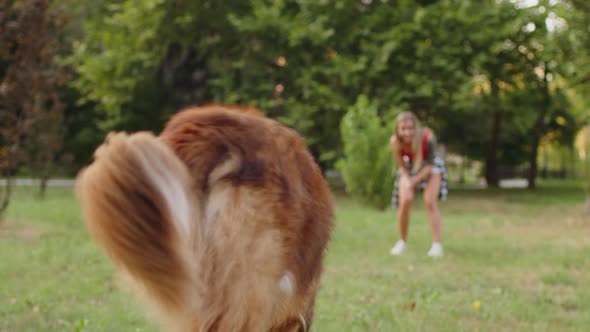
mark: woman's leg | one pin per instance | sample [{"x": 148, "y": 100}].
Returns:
[
  {"x": 431, "y": 193},
  {"x": 406, "y": 196}
]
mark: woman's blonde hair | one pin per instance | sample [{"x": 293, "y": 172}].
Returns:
[{"x": 416, "y": 141}]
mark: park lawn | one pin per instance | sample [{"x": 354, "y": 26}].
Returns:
[{"x": 514, "y": 261}]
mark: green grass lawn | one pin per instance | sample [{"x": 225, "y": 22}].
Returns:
[{"x": 514, "y": 261}]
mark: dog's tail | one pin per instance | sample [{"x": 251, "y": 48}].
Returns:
[{"x": 136, "y": 203}]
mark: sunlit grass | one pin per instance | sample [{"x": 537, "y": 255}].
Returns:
[{"x": 515, "y": 261}]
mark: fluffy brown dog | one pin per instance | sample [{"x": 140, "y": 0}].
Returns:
[{"x": 222, "y": 220}]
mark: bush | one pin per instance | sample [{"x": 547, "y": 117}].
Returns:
[{"x": 367, "y": 165}]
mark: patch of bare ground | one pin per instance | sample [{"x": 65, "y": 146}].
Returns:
[{"x": 20, "y": 230}]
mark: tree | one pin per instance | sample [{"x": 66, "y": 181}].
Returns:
[
  {"x": 305, "y": 62},
  {"x": 515, "y": 61},
  {"x": 283, "y": 57},
  {"x": 577, "y": 15},
  {"x": 30, "y": 104},
  {"x": 577, "y": 43},
  {"x": 496, "y": 49}
]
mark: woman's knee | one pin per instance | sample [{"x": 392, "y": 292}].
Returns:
[
  {"x": 430, "y": 203},
  {"x": 406, "y": 201}
]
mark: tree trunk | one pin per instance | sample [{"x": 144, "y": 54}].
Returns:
[
  {"x": 43, "y": 186},
  {"x": 6, "y": 193},
  {"x": 461, "y": 172},
  {"x": 538, "y": 131},
  {"x": 491, "y": 166}
]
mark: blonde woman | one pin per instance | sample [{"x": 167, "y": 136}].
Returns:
[{"x": 420, "y": 168}]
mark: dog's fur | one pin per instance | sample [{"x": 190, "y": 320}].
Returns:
[{"x": 222, "y": 220}]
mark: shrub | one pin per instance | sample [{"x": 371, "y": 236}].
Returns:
[{"x": 366, "y": 167}]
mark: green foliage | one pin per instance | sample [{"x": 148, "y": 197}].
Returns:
[
  {"x": 122, "y": 46},
  {"x": 367, "y": 165},
  {"x": 304, "y": 62}
]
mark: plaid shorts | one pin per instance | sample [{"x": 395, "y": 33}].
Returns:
[{"x": 437, "y": 167}]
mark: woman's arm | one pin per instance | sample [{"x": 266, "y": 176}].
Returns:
[
  {"x": 396, "y": 156},
  {"x": 423, "y": 174},
  {"x": 426, "y": 170}
]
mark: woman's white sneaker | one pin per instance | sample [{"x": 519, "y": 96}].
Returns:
[
  {"x": 436, "y": 250},
  {"x": 399, "y": 248}
]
